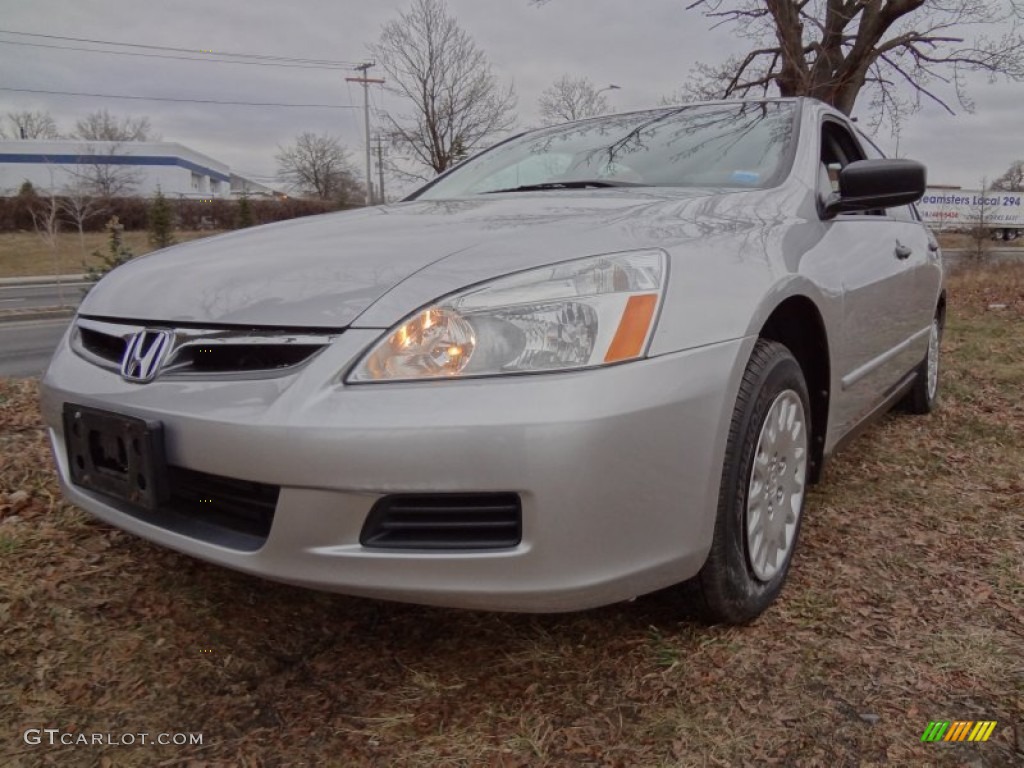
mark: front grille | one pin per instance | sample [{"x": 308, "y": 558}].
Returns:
[
  {"x": 205, "y": 352},
  {"x": 228, "y": 358},
  {"x": 231, "y": 513},
  {"x": 103, "y": 345},
  {"x": 444, "y": 521}
]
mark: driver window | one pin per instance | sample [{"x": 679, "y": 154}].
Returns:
[{"x": 838, "y": 149}]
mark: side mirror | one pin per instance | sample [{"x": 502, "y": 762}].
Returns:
[{"x": 868, "y": 184}]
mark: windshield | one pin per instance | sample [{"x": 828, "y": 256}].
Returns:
[{"x": 716, "y": 145}]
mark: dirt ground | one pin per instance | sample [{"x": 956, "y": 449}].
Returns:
[{"x": 905, "y": 606}]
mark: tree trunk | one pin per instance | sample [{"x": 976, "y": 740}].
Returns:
[{"x": 792, "y": 76}]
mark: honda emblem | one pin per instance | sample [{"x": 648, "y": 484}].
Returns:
[{"x": 144, "y": 355}]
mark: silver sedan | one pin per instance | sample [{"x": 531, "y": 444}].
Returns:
[{"x": 593, "y": 361}]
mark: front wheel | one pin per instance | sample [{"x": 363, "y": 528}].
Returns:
[
  {"x": 924, "y": 395},
  {"x": 761, "y": 497}
]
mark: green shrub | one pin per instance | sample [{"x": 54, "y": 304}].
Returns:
[
  {"x": 160, "y": 221},
  {"x": 117, "y": 253},
  {"x": 245, "y": 218}
]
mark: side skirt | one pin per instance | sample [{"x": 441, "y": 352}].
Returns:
[{"x": 895, "y": 395}]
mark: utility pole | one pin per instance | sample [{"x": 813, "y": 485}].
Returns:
[
  {"x": 380, "y": 169},
  {"x": 364, "y": 68}
]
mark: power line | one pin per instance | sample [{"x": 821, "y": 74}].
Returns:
[
  {"x": 262, "y": 57},
  {"x": 189, "y": 101},
  {"x": 207, "y": 59}
]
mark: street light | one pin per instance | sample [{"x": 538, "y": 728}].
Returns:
[{"x": 598, "y": 92}]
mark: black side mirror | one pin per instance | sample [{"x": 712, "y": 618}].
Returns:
[{"x": 865, "y": 185}]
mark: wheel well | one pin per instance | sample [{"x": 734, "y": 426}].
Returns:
[
  {"x": 797, "y": 324},
  {"x": 941, "y": 310}
]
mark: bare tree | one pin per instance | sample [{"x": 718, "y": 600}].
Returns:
[
  {"x": 319, "y": 166},
  {"x": 46, "y": 220},
  {"x": 706, "y": 82},
  {"x": 457, "y": 101},
  {"x": 103, "y": 126},
  {"x": 80, "y": 205},
  {"x": 980, "y": 231},
  {"x": 1013, "y": 179},
  {"x": 30, "y": 125},
  {"x": 901, "y": 51},
  {"x": 571, "y": 98},
  {"x": 100, "y": 173}
]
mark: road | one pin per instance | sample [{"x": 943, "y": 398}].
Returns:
[
  {"x": 26, "y": 347},
  {"x": 40, "y": 295}
]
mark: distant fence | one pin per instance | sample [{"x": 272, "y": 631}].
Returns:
[{"x": 16, "y": 212}]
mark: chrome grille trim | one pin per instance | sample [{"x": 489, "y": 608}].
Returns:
[{"x": 185, "y": 341}]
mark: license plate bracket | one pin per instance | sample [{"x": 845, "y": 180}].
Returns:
[{"x": 120, "y": 456}]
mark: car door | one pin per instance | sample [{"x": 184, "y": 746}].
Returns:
[
  {"x": 878, "y": 256},
  {"x": 927, "y": 270}
]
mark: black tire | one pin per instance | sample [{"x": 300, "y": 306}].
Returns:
[
  {"x": 924, "y": 396},
  {"x": 728, "y": 589}
]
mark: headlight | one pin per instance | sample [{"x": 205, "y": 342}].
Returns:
[{"x": 575, "y": 314}]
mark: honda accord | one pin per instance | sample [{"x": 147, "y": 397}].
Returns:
[{"x": 593, "y": 361}]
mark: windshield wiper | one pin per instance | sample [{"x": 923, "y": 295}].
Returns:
[{"x": 581, "y": 184}]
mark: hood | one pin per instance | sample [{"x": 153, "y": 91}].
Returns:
[{"x": 326, "y": 271}]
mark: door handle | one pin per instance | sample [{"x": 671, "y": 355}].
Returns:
[{"x": 903, "y": 251}]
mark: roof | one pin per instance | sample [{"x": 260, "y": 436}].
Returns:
[{"x": 75, "y": 152}]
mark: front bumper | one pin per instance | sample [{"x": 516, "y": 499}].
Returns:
[{"x": 618, "y": 470}]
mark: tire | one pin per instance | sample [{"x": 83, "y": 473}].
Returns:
[
  {"x": 764, "y": 475},
  {"x": 924, "y": 395}
]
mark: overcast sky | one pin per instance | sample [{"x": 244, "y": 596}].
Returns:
[{"x": 644, "y": 46}]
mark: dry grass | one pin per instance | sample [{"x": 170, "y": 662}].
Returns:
[
  {"x": 966, "y": 242},
  {"x": 906, "y": 605},
  {"x": 24, "y": 254}
]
